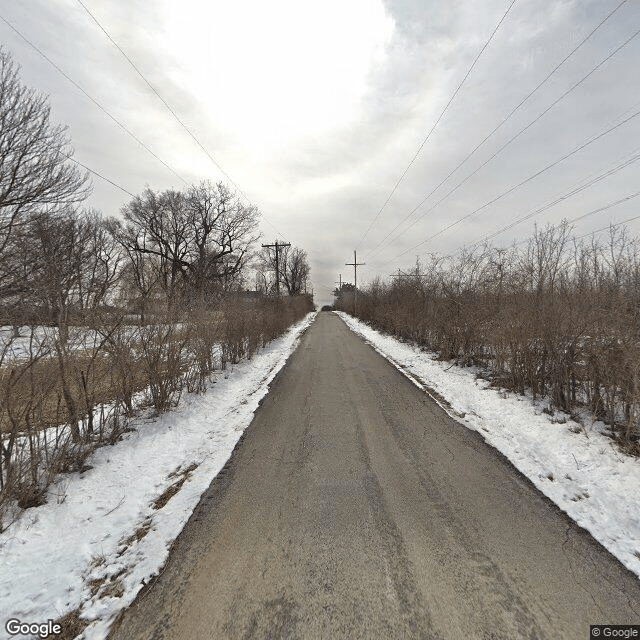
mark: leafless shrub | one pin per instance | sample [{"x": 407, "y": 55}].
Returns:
[
  {"x": 205, "y": 354},
  {"x": 558, "y": 317},
  {"x": 109, "y": 366},
  {"x": 162, "y": 360}
]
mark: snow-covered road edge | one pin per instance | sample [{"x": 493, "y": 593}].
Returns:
[
  {"x": 99, "y": 538},
  {"x": 583, "y": 473}
]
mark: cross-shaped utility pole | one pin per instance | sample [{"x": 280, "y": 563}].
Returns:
[
  {"x": 277, "y": 245},
  {"x": 355, "y": 264}
]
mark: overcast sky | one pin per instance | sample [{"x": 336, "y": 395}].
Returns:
[{"x": 314, "y": 109}]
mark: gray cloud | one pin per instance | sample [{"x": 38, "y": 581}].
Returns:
[{"x": 322, "y": 187}]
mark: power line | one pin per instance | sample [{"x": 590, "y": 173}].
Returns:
[
  {"x": 581, "y": 217},
  {"x": 164, "y": 102},
  {"x": 88, "y": 95},
  {"x": 512, "y": 139},
  {"x": 96, "y": 173},
  {"x": 562, "y": 198},
  {"x": 609, "y": 226},
  {"x": 592, "y": 179},
  {"x": 424, "y": 142},
  {"x": 523, "y": 182},
  {"x": 172, "y": 112},
  {"x": 606, "y": 207},
  {"x": 517, "y": 135},
  {"x": 508, "y": 117},
  {"x": 631, "y": 196}
]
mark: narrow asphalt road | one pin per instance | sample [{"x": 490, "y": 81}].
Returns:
[{"x": 354, "y": 507}]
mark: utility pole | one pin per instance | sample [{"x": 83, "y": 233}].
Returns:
[
  {"x": 355, "y": 264},
  {"x": 277, "y": 245},
  {"x": 338, "y": 296}
]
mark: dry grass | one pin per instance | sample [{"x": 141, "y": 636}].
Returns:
[
  {"x": 71, "y": 624},
  {"x": 38, "y": 394},
  {"x": 108, "y": 586},
  {"x": 182, "y": 476},
  {"x": 141, "y": 532}
]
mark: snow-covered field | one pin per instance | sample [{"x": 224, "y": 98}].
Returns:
[
  {"x": 579, "y": 469},
  {"x": 40, "y": 341},
  {"x": 100, "y": 536}
]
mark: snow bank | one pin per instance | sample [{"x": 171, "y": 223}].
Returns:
[
  {"x": 580, "y": 470},
  {"x": 100, "y": 536}
]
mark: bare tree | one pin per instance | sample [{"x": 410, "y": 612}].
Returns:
[
  {"x": 139, "y": 278},
  {"x": 544, "y": 257},
  {"x": 201, "y": 239},
  {"x": 102, "y": 265},
  {"x": 35, "y": 171},
  {"x": 295, "y": 270},
  {"x": 293, "y": 267},
  {"x": 69, "y": 263},
  {"x": 56, "y": 247}
]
